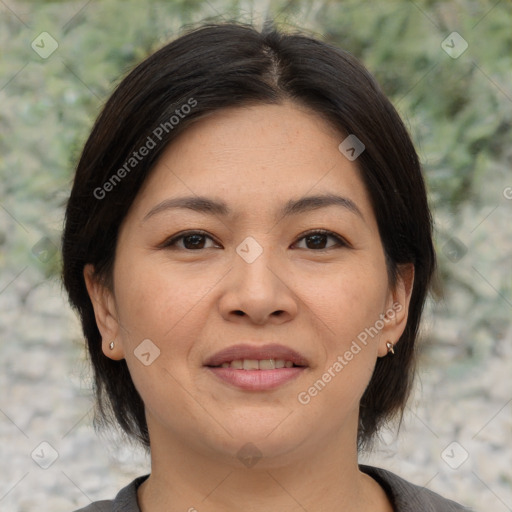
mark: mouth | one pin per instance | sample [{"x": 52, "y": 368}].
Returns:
[
  {"x": 255, "y": 364},
  {"x": 256, "y": 368}
]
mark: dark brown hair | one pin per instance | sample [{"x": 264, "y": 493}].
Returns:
[{"x": 232, "y": 65}]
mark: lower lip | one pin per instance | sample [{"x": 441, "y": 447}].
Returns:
[{"x": 257, "y": 380}]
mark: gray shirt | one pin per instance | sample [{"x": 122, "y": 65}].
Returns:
[{"x": 404, "y": 496}]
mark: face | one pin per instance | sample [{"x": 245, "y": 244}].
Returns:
[{"x": 262, "y": 278}]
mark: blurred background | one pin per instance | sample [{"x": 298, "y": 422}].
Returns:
[{"x": 446, "y": 66}]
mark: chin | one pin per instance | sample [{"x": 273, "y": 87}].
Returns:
[
  {"x": 271, "y": 441},
  {"x": 264, "y": 453}
]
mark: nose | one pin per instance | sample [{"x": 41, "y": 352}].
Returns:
[{"x": 256, "y": 289}]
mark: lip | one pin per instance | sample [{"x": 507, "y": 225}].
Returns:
[
  {"x": 245, "y": 351},
  {"x": 256, "y": 380}
]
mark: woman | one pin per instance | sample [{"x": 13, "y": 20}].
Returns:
[{"x": 248, "y": 244}]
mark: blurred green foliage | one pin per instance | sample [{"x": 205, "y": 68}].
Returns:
[{"x": 459, "y": 112}]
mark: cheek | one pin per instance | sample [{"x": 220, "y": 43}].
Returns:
[
  {"x": 154, "y": 298},
  {"x": 166, "y": 305},
  {"x": 349, "y": 304},
  {"x": 156, "y": 304},
  {"x": 349, "y": 353},
  {"x": 348, "y": 301}
]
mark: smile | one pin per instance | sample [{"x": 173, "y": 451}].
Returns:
[{"x": 255, "y": 364}]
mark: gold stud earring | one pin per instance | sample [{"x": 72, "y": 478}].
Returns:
[
  {"x": 111, "y": 345},
  {"x": 390, "y": 346}
]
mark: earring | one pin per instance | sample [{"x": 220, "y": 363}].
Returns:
[
  {"x": 390, "y": 346},
  {"x": 111, "y": 345}
]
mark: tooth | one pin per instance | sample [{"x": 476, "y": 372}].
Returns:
[
  {"x": 250, "y": 364},
  {"x": 255, "y": 364},
  {"x": 267, "y": 364}
]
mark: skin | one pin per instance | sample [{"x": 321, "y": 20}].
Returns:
[{"x": 187, "y": 301}]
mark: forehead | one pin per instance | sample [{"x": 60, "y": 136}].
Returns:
[{"x": 255, "y": 158}]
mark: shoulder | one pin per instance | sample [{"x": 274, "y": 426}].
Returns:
[
  {"x": 98, "y": 506},
  {"x": 408, "y": 497},
  {"x": 125, "y": 501}
]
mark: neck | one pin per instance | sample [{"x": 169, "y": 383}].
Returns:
[{"x": 320, "y": 478}]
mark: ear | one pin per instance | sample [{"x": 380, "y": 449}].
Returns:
[
  {"x": 397, "y": 312},
  {"x": 105, "y": 313}
]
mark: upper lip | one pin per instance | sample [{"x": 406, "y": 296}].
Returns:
[{"x": 243, "y": 351}]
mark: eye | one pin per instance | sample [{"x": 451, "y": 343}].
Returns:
[
  {"x": 317, "y": 239},
  {"x": 192, "y": 240},
  {"x": 196, "y": 240}
]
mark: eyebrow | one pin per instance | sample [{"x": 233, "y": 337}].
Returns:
[{"x": 211, "y": 206}]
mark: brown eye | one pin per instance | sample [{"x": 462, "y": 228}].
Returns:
[
  {"x": 316, "y": 240},
  {"x": 192, "y": 240},
  {"x": 197, "y": 240}
]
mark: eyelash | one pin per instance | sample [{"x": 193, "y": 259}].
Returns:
[{"x": 171, "y": 242}]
